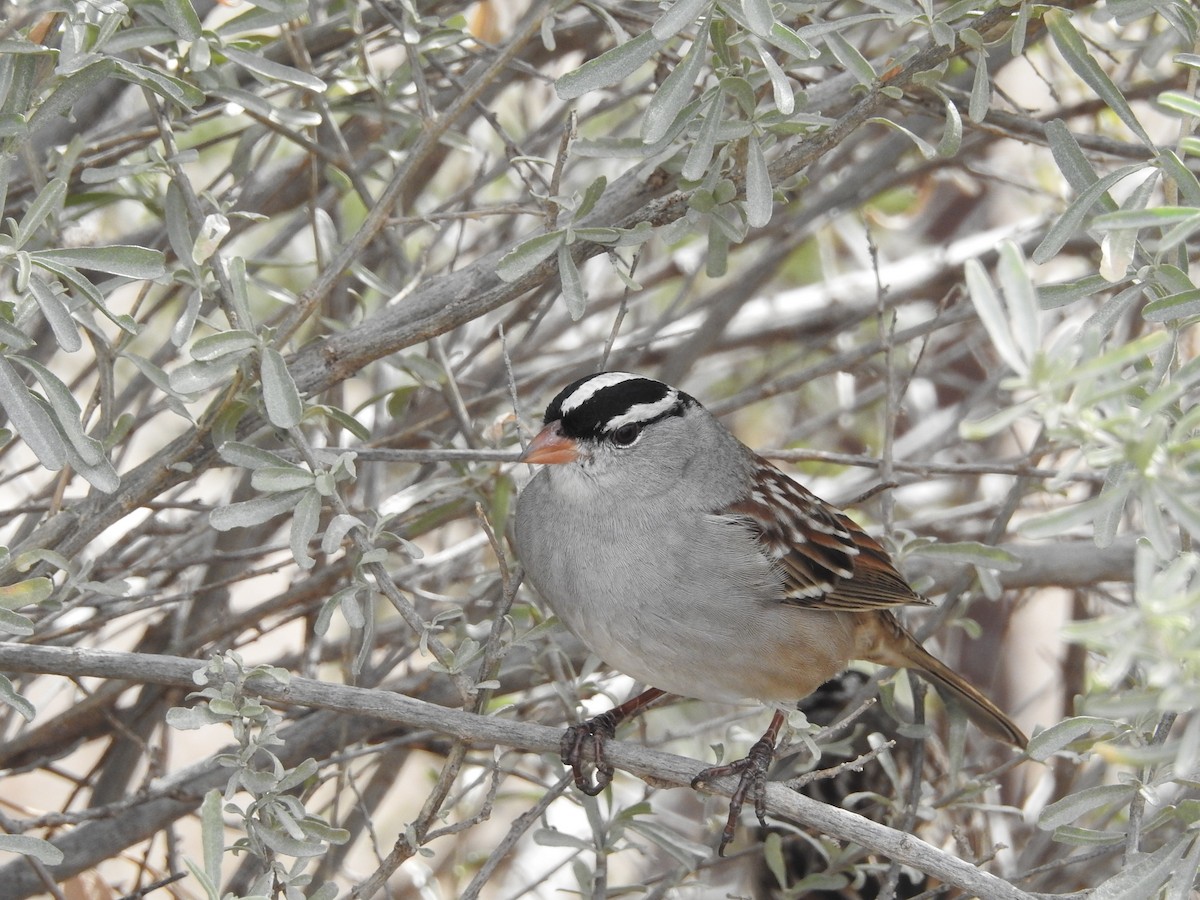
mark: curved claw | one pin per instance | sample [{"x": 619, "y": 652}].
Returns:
[
  {"x": 583, "y": 743},
  {"x": 752, "y": 781}
]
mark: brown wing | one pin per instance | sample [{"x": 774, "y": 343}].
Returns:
[{"x": 826, "y": 560}]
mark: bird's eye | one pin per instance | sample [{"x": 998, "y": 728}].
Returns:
[{"x": 626, "y": 434}]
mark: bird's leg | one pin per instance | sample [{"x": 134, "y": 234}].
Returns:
[
  {"x": 584, "y": 742},
  {"x": 752, "y": 779}
]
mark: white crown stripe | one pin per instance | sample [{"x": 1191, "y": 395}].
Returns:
[
  {"x": 593, "y": 386},
  {"x": 643, "y": 412}
]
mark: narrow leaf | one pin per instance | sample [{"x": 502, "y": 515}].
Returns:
[
  {"x": 608, "y": 68},
  {"x": 572, "y": 283},
  {"x": 284, "y": 407},
  {"x": 781, "y": 88},
  {"x": 9, "y": 696},
  {"x": 1074, "y": 51},
  {"x": 854, "y": 62},
  {"x": 1175, "y": 306},
  {"x": 66, "y": 410},
  {"x": 272, "y": 479},
  {"x": 48, "y": 202},
  {"x": 305, "y": 519},
  {"x": 54, "y": 310},
  {"x": 30, "y": 419},
  {"x": 981, "y": 92},
  {"x": 212, "y": 831},
  {"x": 992, "y": 314},
  {"x": 528, "y": 255},
  {"x": 248, "y": 513},
  {"x": 1071, "y": 807},
  {"x": 215, "y": 346},
  {"x": 29, "y": 592},
  {"x": 272, "y": 71},
  {"x": 695, "y": 167},
  {"x": 759, "y": 199},
  {"x": 183, "y": 19},
  {"x": 129, "y": 261},
  {"x": 758, "y": 16},
  {"x": 678, "y": 16},
  {"x": 43, "y": 851},
  {"x": 1020, "y": 296},
  {"x": 1071, "y": 221},
  {"x": 675, "y": 92},
  {"x": 248, "y": 456}
]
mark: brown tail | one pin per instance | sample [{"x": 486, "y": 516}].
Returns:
[{"x": 903, "y": 651}]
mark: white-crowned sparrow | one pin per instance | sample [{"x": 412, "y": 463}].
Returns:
[{"x": 683, "y": 559}]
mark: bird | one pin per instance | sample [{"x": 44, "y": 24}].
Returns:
[{"x": 682, "y": 558}]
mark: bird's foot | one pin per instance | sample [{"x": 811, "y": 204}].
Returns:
[
  {"x": 752, "y": 782},
  {"x": 583, "y": 743}
]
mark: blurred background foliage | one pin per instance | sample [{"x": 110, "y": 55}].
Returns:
[{"x": 285, "y": 284}]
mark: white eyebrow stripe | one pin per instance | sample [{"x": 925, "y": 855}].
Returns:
[
  {"x": 591, "y": 387},
  {"x": 643, "y": 412}
]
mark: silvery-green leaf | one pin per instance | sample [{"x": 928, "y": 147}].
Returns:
[
  {"x": 240, "y": 300},
  {"x": 15, "y": 623},
  {"x": 696, "y": 165},
  {"x": 1074, "y": 51},
  {"x": 197, "y": 377},
  {"x": 572, "y": 283},
  {"x": 131, "y": 262},
  {"x": 286, "y": 116},
  {"x": 215, "y": 346},
  {"x": 192, "y": 717},
  {"x": 1020, "y": 298},
  {"x": 981, "y": 91},
  {"x": 183, "y": 19},
  {"x": 168, "y": 86},
  {"x": 1146, "y": 874},
  {"x": 952, "y": 133},
  {"x": 848, "y": 55},
  {"x": 271, "y": 71},
  {"x": 29, "y": 592},
  {"x": 54, "y": 310},
  {"x": 282, "y": 399},
  {"x": 1057, "y": 737},
  {"x": 305, "y": 519},
  {"x": 971, "y": 553},
  {"x": 248, "y": 456},
  {"x": 1071, "y": 221},
  {"x": 678, "y": 16},
  {"x": 528, "y": 255},
  {"x": 758, "y": 16},
  {"x": 337, "y": 529},
  {"x": 1172, "y": 307},
  {"x": 675, "y": 91},
  {"x": 792, "y": 43},
  {"x": 13, "y": 336},
  {"x": 64, "y": 95},
  {"x": 759, "y": 199},
  {"x": 993, "y": 315},
  {"x": 608, "y": 68},
  {"x": 926, "y": 149},
  {"x": 212, "y": 832},
  {"x": 253, "y": 512},
  {"x": 30, "y": 419},
  {"x": 27, "y": 845},
  {"x": 212, "y": 231},
  {"x": 47, "y": 202},
  {"x": 1071, "y": 807},
  {"x": 781, "y": 88},
  {"x": 272, "y": 479},
  {"x": 99, "y": 474}
]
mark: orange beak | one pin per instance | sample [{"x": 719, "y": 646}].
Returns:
[{"x": 551, "y": 446}]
